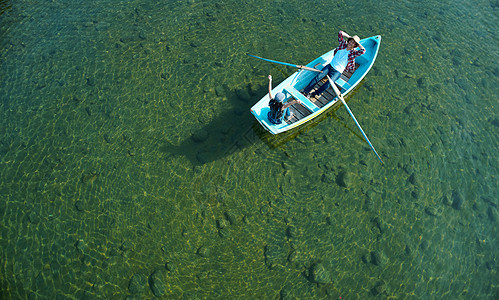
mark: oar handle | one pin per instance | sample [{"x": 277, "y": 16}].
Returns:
[{"x": 308, "y": 68}]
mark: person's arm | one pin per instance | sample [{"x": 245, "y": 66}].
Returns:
[
  {"x": 344, "y": 34},
  {"x": 270, "y": 86},
  {"x": 288, "y": 104},
  {"x": 342, "y": 44},
  {"x": 359, "y": 52}
]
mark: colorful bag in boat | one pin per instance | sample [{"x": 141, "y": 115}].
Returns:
[{"x": 275, "y": 113}]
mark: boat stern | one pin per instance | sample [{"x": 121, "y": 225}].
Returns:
[{"x": 260, "y": 116}]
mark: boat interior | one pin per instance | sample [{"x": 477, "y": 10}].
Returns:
[
  {"x": 300, "y": 111},
  {"x": 310, "y": 107}
]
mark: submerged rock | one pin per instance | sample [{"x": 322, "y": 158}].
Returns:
[
  {"x": 378, "y": 258},
  {"x": 222, "y": 223},
  {"x": 378, "y": 222},
  {"x": 412, "y": 179},
  {"x": 219, "y": 91},
  {"x": 137, "y": 284},
  {"x": 33, "y": 217},
  {"x": 457, "y": 200},
  {"x": 90, "y": 81},
  {"x": 379, "y": 288},
  {"x": 292, "y": 256},
  {"x": 433, "y": 210},
  {"x": 319, "y": 274},
  {"x": 81, "y": 246},
  {"x": 291, "y": 232},
  {"x": 200, "y": 136},
  {"x": 423, "y": 82},
  {"x": 231, "y": 217},
  {"x": 408, "y": 250},
  {"x": 80, "y": 205},
  {"x": 446, "y": 201},
  {"x": 243, "y": 94},
  {"x": 170, "y": 266},
  {"x": 224, "y": 232},
  {"x": 157, "y": 283},
  {"x": 203, "y": 251},
  {"x": 344, "y": 179},
  {"x": 492, "y": 213}
]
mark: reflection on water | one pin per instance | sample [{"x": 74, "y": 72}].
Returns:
[{"x": 132, "y": 167}]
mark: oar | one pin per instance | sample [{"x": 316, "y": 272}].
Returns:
[
  {"x": 286, "y": 64},
  {"x": 335, "y": 89}
]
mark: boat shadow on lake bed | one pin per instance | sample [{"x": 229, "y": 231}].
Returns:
[
  {"x": 230, "y": 132},
  {"x": 236, "y": 129}
]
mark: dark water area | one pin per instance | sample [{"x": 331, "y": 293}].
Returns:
[{"x": 131, "y": 167}]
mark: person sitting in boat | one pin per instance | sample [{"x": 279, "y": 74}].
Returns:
[
  {"x": 344, "y": 59},
  {"x": 278, "y": 110}
]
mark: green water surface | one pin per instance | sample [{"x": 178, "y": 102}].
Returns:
[{"x": 131, "y": 167}]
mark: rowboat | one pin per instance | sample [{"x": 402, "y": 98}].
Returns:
[{"x": 309, "y": 109}]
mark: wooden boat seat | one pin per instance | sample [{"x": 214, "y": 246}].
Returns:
[
  {"x": 299, "y": 112},
  {"x": 342, "y": 84},
  {"x": 299, "y": 96}
]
